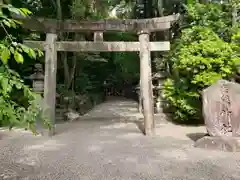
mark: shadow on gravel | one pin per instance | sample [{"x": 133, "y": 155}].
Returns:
[
  {"x": 196, "y": 136},
  {"x": 1, "y": 136},
  {"x": 140, "y": 125}
]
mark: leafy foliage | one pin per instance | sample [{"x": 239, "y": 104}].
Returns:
[
  {"x": 15, "y": 111},
  {"x": 236, "y": 48},
  {"x": 199, "y": 58},
  {"x": 212, "y": 15}
]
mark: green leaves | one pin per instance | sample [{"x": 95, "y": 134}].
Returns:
[
  {"x": 9, "y": 47},
  {"x": 7, "y": 21},
  {"x": 5, "y": 55},
  {"x": 4, "y": 85},
  {"x": 17, "y": 50},
  {"x": 17, "y": 11},
  {"x": 202, "y": 55},
  {"x": 18, "y": 57},
  {"x": 18, "y": 104},
  {"x": 32, "y": 54},
  {"x": 25, "y": 11},
  {"x": 211, "y": 15}
]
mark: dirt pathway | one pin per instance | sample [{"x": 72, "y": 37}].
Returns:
[{"x": 106, "y": 144}]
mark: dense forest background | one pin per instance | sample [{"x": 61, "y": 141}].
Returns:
[{"x": 205, "y": 47}]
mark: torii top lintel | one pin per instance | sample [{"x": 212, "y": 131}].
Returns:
[{"x": 128, "y": 25}]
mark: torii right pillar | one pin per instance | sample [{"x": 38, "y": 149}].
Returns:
[{"x": 146, "y": 82}]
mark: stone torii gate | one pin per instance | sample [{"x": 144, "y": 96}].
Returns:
[{"x": 143, "y": 27}]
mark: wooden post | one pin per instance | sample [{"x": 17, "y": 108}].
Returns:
[
  {"x": 140, "y": 103},
  {"x": 50, "y": 79},
  {"x": 146, "y": 83}
]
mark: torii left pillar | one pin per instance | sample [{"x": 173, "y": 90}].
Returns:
[
  {"x": 50, "y": 79},
  {"x": 146, "y": 83}
]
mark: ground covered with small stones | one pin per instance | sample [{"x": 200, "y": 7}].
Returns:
[{"x": 107, "y": 144}]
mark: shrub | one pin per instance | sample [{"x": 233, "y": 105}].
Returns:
[
  {"x": 202, "y": 55},
  {"x": 199, "y": 59},
  {"x": 19, "y": 106}
]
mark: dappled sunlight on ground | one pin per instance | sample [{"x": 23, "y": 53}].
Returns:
[{"x": 45, "y": 146}]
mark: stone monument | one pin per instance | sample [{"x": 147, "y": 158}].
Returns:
[{"x": 221, "y": 113}]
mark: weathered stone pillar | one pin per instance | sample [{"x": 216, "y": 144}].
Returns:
[
  {"x": 140, "y": 104},
  {"x": 146, "y": 82},
  {"x": 50, "y": 79}
]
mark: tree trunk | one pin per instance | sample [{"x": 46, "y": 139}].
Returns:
[
  {"x": 59, "y": 10},
  {"x": 63, "y": 55},
  {"x": 160, "y": 8},
  {"x": 73, "y": 69}
]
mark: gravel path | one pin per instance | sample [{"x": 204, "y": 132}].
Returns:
[{"x": 106, "y": 144}]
